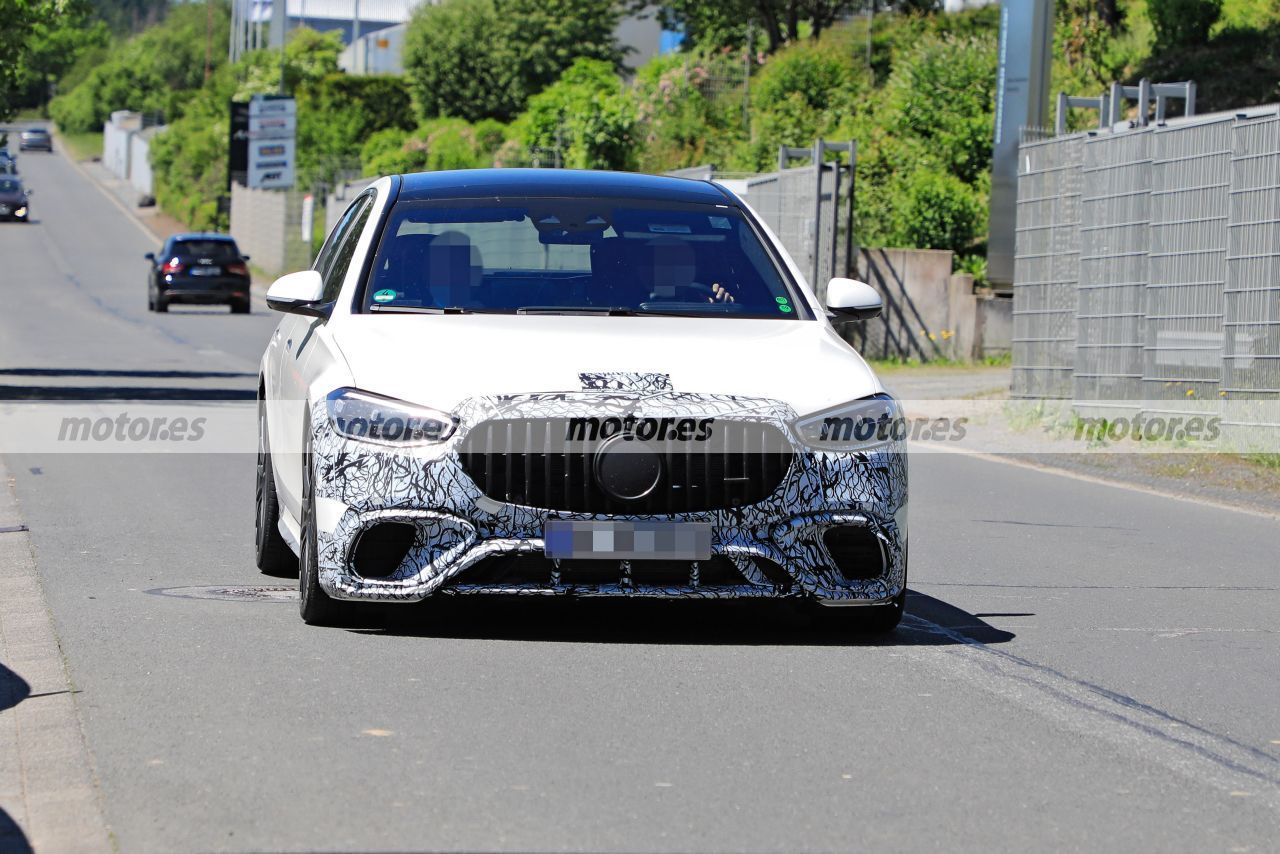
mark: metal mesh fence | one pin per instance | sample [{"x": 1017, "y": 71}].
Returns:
[
  {"x": 1174, "y": 283},
  {"x": 1047, "y": 268},
  {"x": 1114, "y": 239},
  {"x": 1251, "y": 299},
  {"x": 1187, "y": 263}
]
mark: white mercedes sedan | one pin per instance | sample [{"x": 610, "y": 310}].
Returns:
[{"x": 556, "y": 383}]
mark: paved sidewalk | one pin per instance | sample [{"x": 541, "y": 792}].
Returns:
[
  {"x": 48, "y": 797},
  {"x": 946, "y": 383}
]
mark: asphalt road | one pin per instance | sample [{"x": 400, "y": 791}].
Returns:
[{"x": 1082, "y": 666}]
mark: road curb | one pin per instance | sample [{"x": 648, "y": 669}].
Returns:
[{"x": 48, "y": 787}]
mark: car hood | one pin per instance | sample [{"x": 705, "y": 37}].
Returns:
[{"x": 441, "y": 360}]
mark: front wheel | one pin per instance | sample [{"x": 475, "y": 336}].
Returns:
[
  {"x": 274, "y": 557},
  {"x": 315, "y": 606},
  {"x": 240, "y": 307},
  {"x": 865, "y": 620}
]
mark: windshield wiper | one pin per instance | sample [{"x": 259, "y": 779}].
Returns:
[
  {"x": 616, "y": 310},
  {"x": 382, "y": 308},
  {"x": 603, "y": 311}
]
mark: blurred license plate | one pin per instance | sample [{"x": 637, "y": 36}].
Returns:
[
  {"x": 627, "y": 540},
  {"x": 205, "y": 271}
]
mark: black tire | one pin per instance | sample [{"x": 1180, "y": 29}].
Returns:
[
  {"x": 866, "y": 620},
  {"x": 161, "y": 304},
  {"x": 151, "y": 302},
  {"x": 862, "y": 620},
  {"x": 315, "y": 606},
  {"x": 240, "y": 307},
  {"x": 273, "y": 555}
]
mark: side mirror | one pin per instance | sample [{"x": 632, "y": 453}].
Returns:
[
  {"x": 29, "y": 192},
  {"x": 849, "y": 299},
  {"x": 244, "y": 257},
  {"x": 298, "y": 293},
  {"x": 150, "y": 256}
]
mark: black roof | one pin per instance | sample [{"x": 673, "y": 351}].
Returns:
[{"x": 483, "y": 183}]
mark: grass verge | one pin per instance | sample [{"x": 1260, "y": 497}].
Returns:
[{"x": 83, "y": 146}]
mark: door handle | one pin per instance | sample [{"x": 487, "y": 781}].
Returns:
[{"x": 288, "y": 344}]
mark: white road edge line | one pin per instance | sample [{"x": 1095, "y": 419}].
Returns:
[
  {"x": 1117, "y": 484},
  {"x": 132, "y": 217}
]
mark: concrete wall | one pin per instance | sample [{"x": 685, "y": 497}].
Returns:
[
  {"x": 258, "y": 219},
  {"x": 126, "y": 152},
  {"x": 930, "y": 313},
  {"x": 116, "y": 135},
  {"x": 140, "y": 164}
]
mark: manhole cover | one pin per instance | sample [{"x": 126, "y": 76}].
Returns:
[{"x": 232, "y": 593}]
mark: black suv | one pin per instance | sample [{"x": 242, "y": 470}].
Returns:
[{"x": 200, "y": 269}]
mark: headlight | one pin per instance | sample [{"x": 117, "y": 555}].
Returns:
[
  {"x": 21, "y": 212},
  {"x": 371, "y": 418},
  {"x": 857, "y": 426}
]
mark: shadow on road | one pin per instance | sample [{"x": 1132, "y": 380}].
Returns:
[
  {"x": 727, "y": 623},
  {"x": 12, "y": 839},
  {"x": 13, "y": 690}
]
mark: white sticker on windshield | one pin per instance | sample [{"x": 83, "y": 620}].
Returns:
[
  {"x": 670, "y": 229},
  {"x": 721, "y": 222}
]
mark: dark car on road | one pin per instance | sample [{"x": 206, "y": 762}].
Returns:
[
  {"x": 8, "y": 163},
  {"x": 198, "y": 269},
  {"x": 14, "y": 204},
  {"x": 35, "y": 139}
]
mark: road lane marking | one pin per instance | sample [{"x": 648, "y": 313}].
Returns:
[{"x": 1102, "y": 481}]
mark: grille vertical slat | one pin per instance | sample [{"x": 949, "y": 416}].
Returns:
[{"x": 741, "y": 464}]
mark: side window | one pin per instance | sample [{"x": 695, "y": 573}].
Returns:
[
  {"x": 346, "y": 236},
  {"x": 325, "y": 259}
]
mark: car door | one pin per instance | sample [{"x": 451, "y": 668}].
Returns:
[{"x": 301, "y": 353}]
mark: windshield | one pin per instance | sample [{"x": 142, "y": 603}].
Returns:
[
  {"x": 8, "y": 185},
  {"x": 553, "y": 255},
  {"x": 206, "y": 248}
]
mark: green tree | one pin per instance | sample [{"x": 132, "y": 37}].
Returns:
[
  {"x": 479, "y": 59},
  {"x": 942, "y": 94},
  {"x": 1183, "y": 23}
]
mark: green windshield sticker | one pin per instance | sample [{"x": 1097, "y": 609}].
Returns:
[
  {"x": 785, "y": 309},
  {"x": 781, "y": 300},
  {"x": 384, "y": 295}
]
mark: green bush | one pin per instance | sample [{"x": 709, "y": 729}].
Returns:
[
  {"x": 939, "y": 211},
  {"x": 942, "y": 93},
  {"x": 437, "y": 144},
  {"x": 336, "y": 115},
  {"x": 478, "y": 59},
  {"x": 689, "y": 109},
  {"x": 586, "y": 115},
  {"x": 1183, "y": 23}
]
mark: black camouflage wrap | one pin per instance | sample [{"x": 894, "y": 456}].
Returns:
[{"x": 457, "y": 526}]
